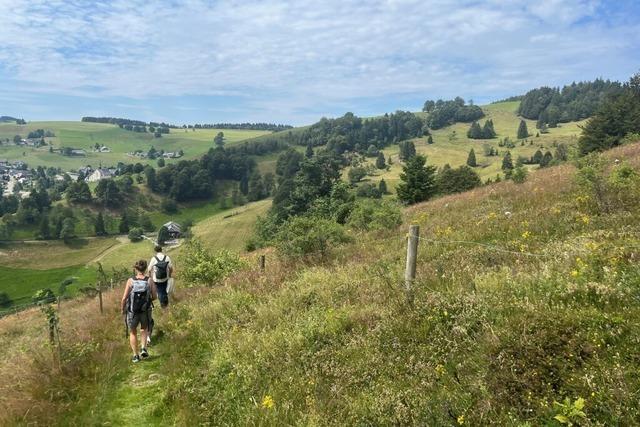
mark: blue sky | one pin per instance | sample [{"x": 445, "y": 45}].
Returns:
[{"x": 294, "y": 62}]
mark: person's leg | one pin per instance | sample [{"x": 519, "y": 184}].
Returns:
[
  {"x": 143, "y": 337},
  {"x": 162, "y": 294},
  {"x": 133, "y": 340}
]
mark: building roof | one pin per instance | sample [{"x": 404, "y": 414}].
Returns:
[{"x": 173, "y": 226}]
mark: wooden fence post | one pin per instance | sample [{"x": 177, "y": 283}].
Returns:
[
  {"x": 100, "y": 299},
  {"x": 412, "y": 256},
  {"x": 262, "y": 263}
]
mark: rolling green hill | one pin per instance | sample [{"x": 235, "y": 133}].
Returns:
[{"x": 83, "y": 135}]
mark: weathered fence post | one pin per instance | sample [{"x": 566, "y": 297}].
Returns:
[
  {"x": 112, "y": 283},
  {"x": 262, "y": 263},
  {"x": 412, "y": 255},
  {"x": 100, "y": 299}
]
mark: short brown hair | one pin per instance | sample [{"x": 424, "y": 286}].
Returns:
[
  {"x": 158, "y": 248},
  {"x": 140, "y": 265}
]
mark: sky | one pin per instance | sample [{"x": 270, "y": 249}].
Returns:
[{"x": 294, "y": 62}]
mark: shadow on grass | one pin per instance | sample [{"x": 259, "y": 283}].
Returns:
[{"x": 77, "y": 243}]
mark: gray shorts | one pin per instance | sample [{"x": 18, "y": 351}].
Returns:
[{"x": 135, "y": 319}]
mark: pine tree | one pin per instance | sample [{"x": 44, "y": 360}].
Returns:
[
  {"x": 546, "y": 159},
  {"x": 163, "y": 235},
  {"x": 488, "y": 131},
  {"x": 407, "y": 150},
  {"x": 475, "y": 131},
  {"x": 537, "y": 157},
  {"x": 256, "y": 188},
  {"x": 471, "y": 159},
  {"x": 522, "y": 130},
  {"x": 507, "y": 163},
  {"x": 430, "y": 140},
  {"x": 309, "y": 152},
  {"x": 382, "y": 187},
  {"x": 123, "y": 227},
  {"x": 45, "y": 230},
  {"x": 99, "y": 225},
  {"x": 380, "y": 163},
  {"x": 418, "y": 181},
  {"x": 68, "y": 230}
]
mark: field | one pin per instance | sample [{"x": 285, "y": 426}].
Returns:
[
  {"x": 451, "y": 145},
  {"x": 29, "y": 266},
  {"x": 82, "y": 135}
]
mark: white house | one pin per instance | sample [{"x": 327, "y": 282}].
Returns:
[{"x": 99, "y": 174}]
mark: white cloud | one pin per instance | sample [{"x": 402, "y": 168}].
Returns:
[{"x": 304, "y": 53}]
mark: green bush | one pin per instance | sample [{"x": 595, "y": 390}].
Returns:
[
  {"x": 202, "y": 267},
  {"x": 5, "y": 300},
  {"x": 135, "y": 234},
  {"x": 302, "y": 236},
  {"x": 519, "y": 175},
  {"x": 43, "y": 296},
  {"x": 375, "y": 215}
]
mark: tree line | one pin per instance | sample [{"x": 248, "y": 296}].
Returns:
[
  {"x": 273, "y": 127},
  {"x": 445, "y": 113},
  {"x": 573, "y": 102}
]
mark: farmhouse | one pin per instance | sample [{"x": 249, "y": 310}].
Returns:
[
  {"x": 78, "y": 152},
  {"x": 99, "y": 174},
  {"x": 175, "y": 230}
]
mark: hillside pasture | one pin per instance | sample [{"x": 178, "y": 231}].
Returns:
[{"x": 84, "y": 135}]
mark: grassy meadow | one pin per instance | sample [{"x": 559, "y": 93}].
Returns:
[
  {"x": 83, "y": 135},
  {"x": 451, "y": 145},
  {"x": 542, "y": 306}
]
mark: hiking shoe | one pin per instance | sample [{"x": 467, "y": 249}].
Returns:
[
  {"x": 144, "y": 353},
  {"x": 135, "y": 359}
]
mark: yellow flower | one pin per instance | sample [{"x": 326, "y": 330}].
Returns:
[
  {"x": 461, "y": 419},
  {"x": 526, "y": 234},
  {"x": 440, "y": 369},
  {"x": 267, "y": 402},
  {"x": 574, "y": 273},
  {"x": 492, "y": 215}
]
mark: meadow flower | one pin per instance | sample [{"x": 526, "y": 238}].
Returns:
[
  {"x": 526, "y": 234},
  {"x": 461, "y": 419},
  {"x": 267, "y": 402}
]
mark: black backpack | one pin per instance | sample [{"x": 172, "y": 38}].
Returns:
[
  {"x": 161, "y": 268},
  {"x": 140, "y": 296}
]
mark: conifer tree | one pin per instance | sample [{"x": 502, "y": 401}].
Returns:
[
  {"x": 488, "y": 131},
  {"x": 471, "y": 159},
  {"x": 380, "y": 163},
  {"x": 382, "y": 187},
  {"x": 546, "y": 159},
  {"x": 418, "y": 181},
  {"x": 522, "y": 130},
  {"x": 99, "y": 225},
  {"x": 507, "y": 162},
  {"x": 475, "y": 131},
  {"x": 124, "y": 223},
  {"x": 537, "y": 157},
  {"x": 309, "y": 152},
  {"x": 430, "y": 140},
  {"x": 45, "y": 230}
]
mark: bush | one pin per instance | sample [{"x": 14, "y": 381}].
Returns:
[
  {"x": 519, "y": 175},
  {"x": 378, "y": 215},
  {"x": 169, "y": 206},
  {"x": 43, "y": 296},
  {"x": 368, "y": 190},
  {"x": 202, "y": 267},
  {"x": 135, "y": 234},
  {"x": 5, "y": 300},
  {"x": 302, "y": 236}
]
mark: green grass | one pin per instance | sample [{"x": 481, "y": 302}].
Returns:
[
  {"x": 83, "y": 135},
  {"x": 451, "y": 145}
]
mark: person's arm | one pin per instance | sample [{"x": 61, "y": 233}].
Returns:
[
  {"x": 152, "y": 286},
  {"x": 127, "y": 290}
]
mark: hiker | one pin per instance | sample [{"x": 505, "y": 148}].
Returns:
[
  {"x": 136, "y": 305},
  {"x": 161, "y": 270}
]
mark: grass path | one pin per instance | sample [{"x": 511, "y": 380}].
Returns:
[{"x": 137, "y": 395}]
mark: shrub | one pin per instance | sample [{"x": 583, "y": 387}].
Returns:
[
  {"x": 169, "y": 206},
  {"x": 135, "y": 234},
  {"x": 43, "y": 296},
  {"x": 302, "y": 236},
  {"x": 202, "y": 267},
  {"x": 378, "y": 215},
  {"x": 368, "y": 190},
  {"x": 5, "y": 300},
  {"x": 519, "y": 175}
]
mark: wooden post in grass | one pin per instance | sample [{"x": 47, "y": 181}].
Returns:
[
  {"x": 100, "y": 299},
  {"x": 262, "y": 261},
  {"x": 412, "y": 256}
]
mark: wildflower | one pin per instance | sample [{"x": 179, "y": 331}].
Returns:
[
  {"x": 492, "y": 215},
  {"x": 585, "y": 219},
  {"x": 461, "y": 419},
  {"x": 526, "y": 234},
  {"x": 575, "y": 273},
  {"x": 440, "y": 369},
  {"x": 267, "y": 402}
]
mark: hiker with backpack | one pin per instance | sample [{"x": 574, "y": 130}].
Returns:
[
  {"x": 139, "y": 292},
  {"x": 161, "y": 270}
]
